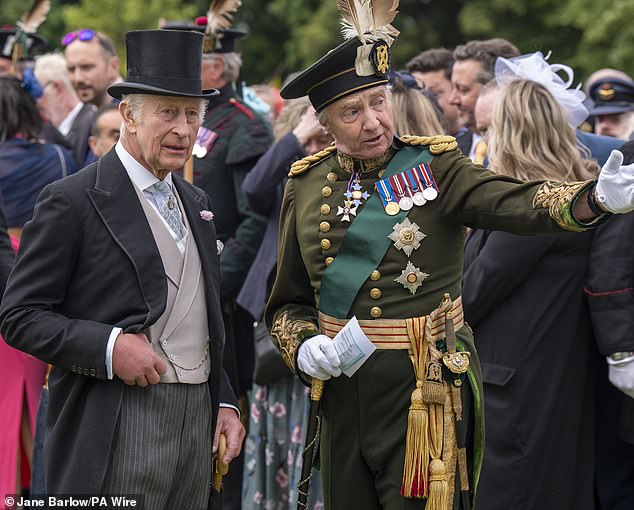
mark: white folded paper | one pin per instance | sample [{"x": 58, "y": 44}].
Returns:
[{"x": 353, "y": 347}]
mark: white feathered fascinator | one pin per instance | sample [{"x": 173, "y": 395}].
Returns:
[
  {"x": 371, "y": 22},
  {"x": 534, "y": 67}
]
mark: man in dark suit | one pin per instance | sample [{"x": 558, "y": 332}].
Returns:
[
  {"x": 117, "y": 286},
  {"x": 60, "y": 105}
]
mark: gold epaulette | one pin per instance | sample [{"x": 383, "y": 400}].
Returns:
[
  {"x": 437, "y": 144},
  {"x": 301, "y": 165}
]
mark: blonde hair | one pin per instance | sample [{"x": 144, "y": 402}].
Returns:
[
  {"x": 530, "y": 137},
  {"x": 413, "y": 112},
  {"x": 289, "y": 116}
]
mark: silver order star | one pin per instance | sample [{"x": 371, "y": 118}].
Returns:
[
  {"x": 411, "y": 277},
  {"x": 346, "y": 211},
  {"x": 407, "y": 236}
]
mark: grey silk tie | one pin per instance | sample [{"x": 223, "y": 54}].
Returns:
[{"x": 167, "y": 206}]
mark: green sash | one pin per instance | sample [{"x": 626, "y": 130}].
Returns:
[{"x": 365, "y": 243}]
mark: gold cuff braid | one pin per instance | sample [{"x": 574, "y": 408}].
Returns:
[
  {"x": 286, "y": 332},
  {"x": 558, "y": 198}
]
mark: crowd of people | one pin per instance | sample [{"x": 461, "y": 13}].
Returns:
[{"x": 188, "y": 247}]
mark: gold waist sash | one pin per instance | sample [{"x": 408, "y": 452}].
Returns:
[{"x": 392, "y": 333}]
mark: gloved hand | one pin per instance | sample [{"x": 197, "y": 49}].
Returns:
[
  {"x": 621, "y": 374},
  {"x": 615, "y": 189},
  {"x": 318, "y": 358}
]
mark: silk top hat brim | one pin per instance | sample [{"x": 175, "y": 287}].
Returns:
[
  {"x": 333, "y": 77},
  {"x": 164, "y": 63}
]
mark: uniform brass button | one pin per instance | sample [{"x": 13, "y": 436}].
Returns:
[
  {"x": 325, "y": 244},
  {"x": 329, "y": 260},
  {"x": 375, "y": 275},
  {"x": 324, "y": 226},
  {"x": 325, "y": 209},
  {"x": 376, "y": 312},
  {"x": 375, "y": 293},
  {"x": 332, "y": 177},
  {"x": 326, "y": 191}
]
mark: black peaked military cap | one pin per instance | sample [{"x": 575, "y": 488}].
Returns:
[
  {"x": 8, "y": 38},
  {"x": 223, "y": 41},
  {"x": 611, "y": 96},
  {"x": 335, "y": 75},
  {"x": 164, "y": 63}
]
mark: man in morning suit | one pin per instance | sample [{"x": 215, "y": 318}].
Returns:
[{"x": 117, "y": 286}]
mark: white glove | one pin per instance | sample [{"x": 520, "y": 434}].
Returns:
[
  {"x": 615, "y": 189},
  {"x": 318, "y": 358},
  {"x": 621, "y": 374}
]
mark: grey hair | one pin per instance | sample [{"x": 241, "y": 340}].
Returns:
[
  {"x": 233, "y": 63},
  {"x": 52, "y": 68},
  {"x": 136, "y": 102}
]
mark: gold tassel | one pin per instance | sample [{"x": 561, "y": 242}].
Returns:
[
  {"x": 415, "y": 469},
  {"x": 438, "y": 486},
  {"x": 417, "y": 448}
]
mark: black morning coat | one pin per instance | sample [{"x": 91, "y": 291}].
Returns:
[{"x": 88, "y": 262}]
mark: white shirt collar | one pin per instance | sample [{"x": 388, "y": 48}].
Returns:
[
  {"x": 140, "y": 176},
  {"x": 67, "y": 123}
]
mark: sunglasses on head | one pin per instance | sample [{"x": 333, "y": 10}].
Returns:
[{"x": 84, "y": 34}]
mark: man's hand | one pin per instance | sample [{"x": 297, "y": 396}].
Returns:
[
  {"x": 621, "y": 374},
  {"x": 135, "y": 362},
  {"x": 615, "y": 188},
  {"x": 318, "y": 358},
  {"x": 308, "y": 127},
  {"x": 229, "y": 425}
]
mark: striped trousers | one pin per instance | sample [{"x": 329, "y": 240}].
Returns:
[{"x": 163, "y": 446}]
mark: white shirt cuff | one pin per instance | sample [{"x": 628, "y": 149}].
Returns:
[
  {"x": 222, "y": 404},
  {"x": 110, "y": 347}
]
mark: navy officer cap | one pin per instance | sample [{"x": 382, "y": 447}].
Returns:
[{"x": 611, "y": 96}]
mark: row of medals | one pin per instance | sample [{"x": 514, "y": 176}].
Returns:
[
  {"x": 406, "y": 202},
  {"x": 408, "y": 198},
  {"x": 409, "y": 194}
]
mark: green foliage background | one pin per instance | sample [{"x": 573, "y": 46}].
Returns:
[{"x": 287, "y": 35}]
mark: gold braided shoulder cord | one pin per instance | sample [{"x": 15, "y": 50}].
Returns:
[
  {"x": 301, "y": 165},
  {"x": 437, "y": 144},
  {"x": 558, "y": 197},
  {"x": 286, "y": 332}
]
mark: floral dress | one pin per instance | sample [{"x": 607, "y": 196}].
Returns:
[{"x": 273, "y": 448}]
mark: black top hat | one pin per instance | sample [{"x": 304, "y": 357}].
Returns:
[
  {"x": 164, "y": 63},
  {"x": 224, "y": 41},
  {"x": 335, "y": 75},
  {"x": 8, "y": 38},
  {"x": 611, "y": 96}
]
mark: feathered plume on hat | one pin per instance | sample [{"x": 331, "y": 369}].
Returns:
[
  {"x": 219, "y": 19},
  {"x": 28, "y": 24},
  {"x": 370, "y": 21}
]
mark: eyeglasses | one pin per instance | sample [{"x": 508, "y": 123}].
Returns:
[{"x": 85, "y": 34}]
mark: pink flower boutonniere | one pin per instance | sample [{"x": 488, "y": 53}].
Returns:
[{"x": 206, "y": 215}]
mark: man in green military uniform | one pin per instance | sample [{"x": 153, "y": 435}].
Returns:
[{"x": 373, "y": 228}]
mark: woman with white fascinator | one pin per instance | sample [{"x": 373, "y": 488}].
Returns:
[{"x": 523, "y": 296}]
